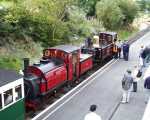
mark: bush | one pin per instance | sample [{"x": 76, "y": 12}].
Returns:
[
  {"x": 109, "y": 14},
  {"x": 144, "y": 5},
  {"x": 80, "y": 27},
  {"x": 88, "y": 6},
  {"x": 129, "y": 10},
  {"x": 115, "y": 13},
  {"x": 42, "y": 20},
  {"x": 10, "y": 63},
  {"x": 124, "y": 34}
]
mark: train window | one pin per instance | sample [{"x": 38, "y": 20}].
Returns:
[
  {"x": 18, "y": 92},
  {"x": 0, "y": 101},
  {"x": 8, "y": 97}
]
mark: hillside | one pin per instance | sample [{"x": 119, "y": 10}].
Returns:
[{"x": 28, "y": 26}]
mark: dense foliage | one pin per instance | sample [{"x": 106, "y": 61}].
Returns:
[
  {"x": 129, "y": 9},
  {"x": 41, "y": 20},
  {"x": 116, "y": 13},
  {"x": 88, "y": 6},
  {"x": 10, "y": 63},
  {"x": 144, "y": 5},
  {"x": 50, "y": 22},
  {"x": 53, "y": 22},
  {"x": 109, "y": 14},
  {"x": 26, "y": 26}
]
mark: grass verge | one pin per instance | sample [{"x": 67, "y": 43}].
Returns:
[
  {"x": 10, "y": 62},
  {"x": 124, "y": 34}
]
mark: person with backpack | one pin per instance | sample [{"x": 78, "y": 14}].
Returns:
[
  {"x": 127, "y": 82},
  {"x": 147, "y": 88},
  {"x": 92, "y": 115}
]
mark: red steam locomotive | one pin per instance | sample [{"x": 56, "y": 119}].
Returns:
[{"x": 62, "y": 64}]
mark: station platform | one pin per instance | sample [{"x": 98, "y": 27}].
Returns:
[
  {"x": 146, "y": 115},
  {"x": 103, "y": 89}
]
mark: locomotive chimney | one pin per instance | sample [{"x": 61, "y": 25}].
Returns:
[{"x": 26, "y": 64}]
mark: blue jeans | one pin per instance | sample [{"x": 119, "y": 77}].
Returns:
[{"x": 126, "y": 55}]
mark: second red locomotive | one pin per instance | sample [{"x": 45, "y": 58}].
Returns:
[{"x": 103, "y": 48}]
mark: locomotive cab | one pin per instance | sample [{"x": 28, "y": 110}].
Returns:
[
  {"x": 107, "y": 41},
  {"x": 103, "y": 46},
  {"x": 69, "y": 54}
]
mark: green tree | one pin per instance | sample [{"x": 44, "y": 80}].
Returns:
[
  {"x": 115, "y": 13},
  {"x": 43, "y": 20},
  {"x": 129, "y": 9},
  {"x": 88, "y": 6},
  {"x": 109, "y": 14},
  {"x": 144, "y": 5}
]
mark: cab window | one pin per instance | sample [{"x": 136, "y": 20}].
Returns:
[
  {"x": 18, "y": 92},
  {"x": 0, "y": 101},
  {"x": 8, "y": 97}
]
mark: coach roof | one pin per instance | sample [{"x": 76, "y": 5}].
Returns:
[{"x": 7, "y": 76}]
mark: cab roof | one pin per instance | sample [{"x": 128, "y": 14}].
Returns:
[
  {"x": 110, "y": 33},
  {"x": 66, "y": 48},
  {"x": 8, "y": 76}
]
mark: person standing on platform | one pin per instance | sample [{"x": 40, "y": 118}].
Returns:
[
  {"x": 115, "y": 51},
  {"x": 126, "y": 51},
  {"x": 88, "y": 42},
  {"x": 135, "y": 78},
  {"x": 92, "y": 115},
  {"x": 147, "y": 89},
  {"x": 142, "y": 56},
  {"x": 119, "y": 48},
  {"x": 127, "y": 82}
]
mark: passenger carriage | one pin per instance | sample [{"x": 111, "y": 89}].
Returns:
[{"x": 11, "y": 95}]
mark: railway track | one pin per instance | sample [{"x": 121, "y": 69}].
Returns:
[{"x": 52, "y": 98}]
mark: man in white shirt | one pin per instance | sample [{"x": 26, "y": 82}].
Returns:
[
  {"x": 135, "y": 76},
  {"x": 92, "y": 115},
  {"x": 142, "y": 56}
]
